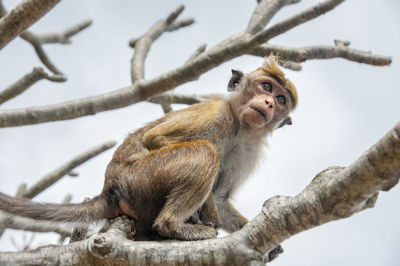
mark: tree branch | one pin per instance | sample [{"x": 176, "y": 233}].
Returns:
[
  {"x": 264, "y": 13},
  {"x": 142, "y": 44},
  {"x": 177, "y": 98},
  {"x": 57, "y": 174},
  {"x": 17, "y": 223},
  {"x": 36, "y": 40},
  {"x": 295, "y": 21},
  {"x": 26, "y": 81},
  {"x": 10, "y": 221},
  {"x": 63, "y": 37},
  {"x": 320, "y": 52},
  {"x": 141, "y": 90},
  {"x": 22, "y": 17},
  {"x": 335, "y": 193}
]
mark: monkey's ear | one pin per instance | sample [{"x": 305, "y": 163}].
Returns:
[
  {"x": 286, "y": 121},
  {"x": 237, "y": 76}
]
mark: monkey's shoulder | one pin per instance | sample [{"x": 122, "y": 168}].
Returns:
[{"x": 211, "y": 120}]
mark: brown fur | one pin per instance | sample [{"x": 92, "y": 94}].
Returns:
[{"x": 188, "y": 162}]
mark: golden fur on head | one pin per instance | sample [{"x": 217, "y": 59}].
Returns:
[{"x": 271, "y": 68}]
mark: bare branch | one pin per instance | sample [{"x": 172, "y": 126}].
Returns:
[
  {"x": 295, "y": 21},
  {"x": 17, "y": 223},
  {"x": 21, "y": 190},
  {"x": 33, "y": 40},
  {"x": 64, "y": 36},
  {"x": 198, "y": 52},
  {"x": 141, "y": 90},
  {"x": 26, "y": 81},
  {"x": 289, "y": 65},
  {"x": 321, "y": 52},
  {"x": 264, "y": 13},
  {"x": 22, "y": 17},
  {"x": 57, "y": 174},
  {"x": 176, "y": 98},
  {"x": 180, "y": 24},
  {"x": 142, "y": 44},
  {"x": 9, "y": 221},
  {"x": 36, "y": 40}
]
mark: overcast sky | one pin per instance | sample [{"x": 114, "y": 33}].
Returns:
[{"x": 344, "y": 108}]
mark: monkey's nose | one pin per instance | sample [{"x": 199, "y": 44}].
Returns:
[{"x": 270, "y": 102}]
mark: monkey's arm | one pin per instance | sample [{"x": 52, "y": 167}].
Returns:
[{"x": 231, "y": 219}]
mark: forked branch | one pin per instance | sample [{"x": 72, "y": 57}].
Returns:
[{"x": 22, "y": 17}]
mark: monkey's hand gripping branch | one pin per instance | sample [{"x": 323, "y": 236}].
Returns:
[{"x": 333, "y": 194}]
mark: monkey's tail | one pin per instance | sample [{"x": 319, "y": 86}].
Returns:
[{"x": 87, "y": 211}]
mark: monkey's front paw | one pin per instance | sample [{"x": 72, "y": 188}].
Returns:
[{"x": 211, "y": 220}]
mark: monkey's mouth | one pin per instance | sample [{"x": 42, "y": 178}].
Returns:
[{"x": 260, "y": 112}]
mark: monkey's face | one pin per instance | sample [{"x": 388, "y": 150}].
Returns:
[{"x": 265, "y": 102}]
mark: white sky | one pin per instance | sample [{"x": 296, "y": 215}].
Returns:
[{"x": 344, "y": 108}]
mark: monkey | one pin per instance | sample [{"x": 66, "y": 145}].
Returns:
[{"x": 185, "y": 164}]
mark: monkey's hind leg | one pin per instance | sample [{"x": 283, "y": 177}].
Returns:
[{"x": 192, "y": 168}]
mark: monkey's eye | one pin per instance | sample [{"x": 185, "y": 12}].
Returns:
[
  {"x": 281, "y": 99},
  {"x": 266, "y": 86}
]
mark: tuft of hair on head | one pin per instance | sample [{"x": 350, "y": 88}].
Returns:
[{"x": 271, "y": 68}]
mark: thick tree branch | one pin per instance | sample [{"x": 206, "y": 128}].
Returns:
[
  {"x": 26, "y": 81},
  {"x": 335, "y": 193},
  {"x": 22, "y": 17}
]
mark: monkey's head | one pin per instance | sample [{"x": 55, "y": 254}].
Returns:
[{"x": 264, "y": 97}]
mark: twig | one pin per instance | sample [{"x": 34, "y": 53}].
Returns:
[
  {"x": 22, "y": 17},
  {"x": 8, "y": 221},
  {"x": 57, "y": 174},
  {"x": 26, "y": 81},
  {"x": 17, "y": 223},
  {"x": 264, "y": 13},
  {"x": 37, "y": 40},
  {"x": 64, "y": 36},
  {"x": 289, "y": 65},
  {"x": 142, "y": 44},
  {"x": 196, "y": 53},
  {"x": 295, "y": 21}
]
